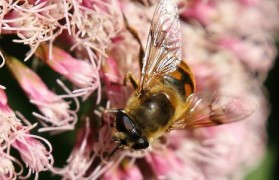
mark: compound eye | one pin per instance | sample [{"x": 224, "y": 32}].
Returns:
[
  {"x": 142, "y": 143},
  {"x": 124, "y": 123}
]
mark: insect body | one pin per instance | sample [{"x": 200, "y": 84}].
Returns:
[{"x": 165, "y": 98}]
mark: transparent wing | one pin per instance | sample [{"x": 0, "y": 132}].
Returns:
[
  {"x": 163, "y": 49},
  {"x": 206, "y": 109}
]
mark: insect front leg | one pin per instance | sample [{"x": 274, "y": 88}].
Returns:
[
  {"x": 136, "y": 36},
  {"x": 130, "y": 78}
]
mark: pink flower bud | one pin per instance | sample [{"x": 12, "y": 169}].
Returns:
[
  {"x": 56, "y": 112},
  {"x": 79, "y": 72}
]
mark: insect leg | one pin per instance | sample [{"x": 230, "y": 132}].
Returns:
[
  {"x": 146, "y": 3},
  {"x": 136, "y": 36},
  {"x": 131, "y": 79},
  {"x": 113, "y": 151}
]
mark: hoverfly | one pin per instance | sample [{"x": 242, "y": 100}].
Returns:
[{"x": 165, "y": 98}]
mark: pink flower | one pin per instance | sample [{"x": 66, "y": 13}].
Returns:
[
  {"x": 98, "y": 52},
  {"x": 111, "y": 72},
  {"x": 200, "y": 153},
  {"x": 81, "y": 157},
  {"x": 116, "y": 91},
  {"x": 202, "y": 11},
  {"x": 126, "y": 171},
  {"x": 255, "y": 52},
  {"x": 35, "y": 155},
  {"x": 33, "y": 22},
  {"x": 13, "y": 134},
  {"x": 7, "y": 169},
  {"x": 163, "y": 162},
  {"x": 56, "y": 112},
  {"x": 88, "y": 158},
  {"x": 9, "y": 122},
  {"x": 81, "y": 73},
  {"x": 90, "y": 23},
  {"x": 250, "y": 2}
]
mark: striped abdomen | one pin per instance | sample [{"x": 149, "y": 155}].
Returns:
[{"x": 182, "y": 80}]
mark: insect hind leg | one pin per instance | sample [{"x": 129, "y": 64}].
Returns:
[{"x": 135, "y": 34}]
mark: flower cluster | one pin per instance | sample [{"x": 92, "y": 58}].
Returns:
[
  {"x": 32, "y": 149},
  {"x": 228, "y": 44}
]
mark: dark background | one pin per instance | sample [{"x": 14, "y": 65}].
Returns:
[{"x": 272, "y": 84}]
